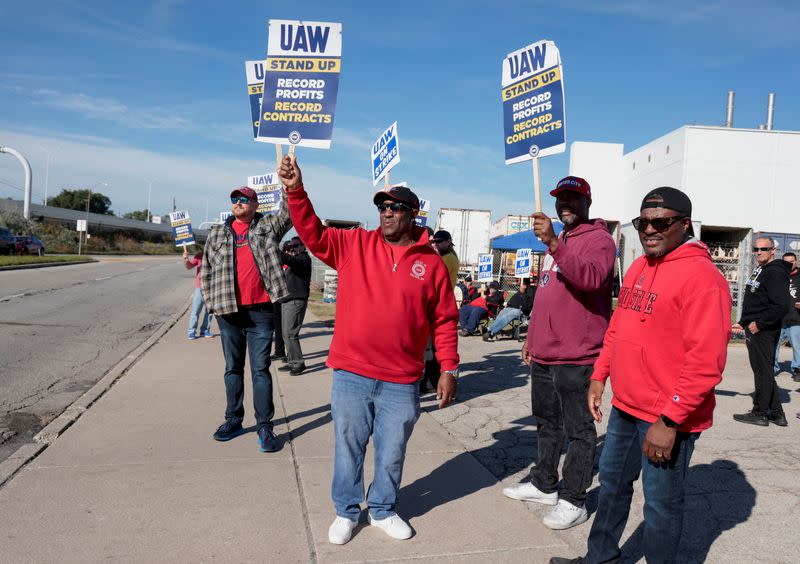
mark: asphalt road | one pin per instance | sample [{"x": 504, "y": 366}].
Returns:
[{"x": 63, "y": 328}]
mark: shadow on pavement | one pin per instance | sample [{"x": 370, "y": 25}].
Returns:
[
  {"x": 495, "y": 372},
  {"x": 718, "y": 497}
]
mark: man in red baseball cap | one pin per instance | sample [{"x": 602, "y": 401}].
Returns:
[
  {"x": 241, "y": 278},
  {"x": 571, "y": 312}
]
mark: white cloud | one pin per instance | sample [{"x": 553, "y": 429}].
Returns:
[{"x": 199, "y": 178}]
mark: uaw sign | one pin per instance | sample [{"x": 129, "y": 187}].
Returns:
[
  {"x": 301, "y": 82},
  {"x": 424, "y": 212},
  {"x": 522, "y": 263},
  {"x": 485, "y": 264},
  {"x": 181, "y": 228},
  {"x": 385, "y": 153},
  {"x": 254, "y": 70},
  {"x": 534, "y": 123},
  {"x": 268, "y": 189}
]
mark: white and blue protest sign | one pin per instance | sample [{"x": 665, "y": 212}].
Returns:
[
  {"x": 268, "y": 188},
  {"x": 485, "y": 264},
  {"x": 301, "y": 82},
  {"x": 424, "y": 212},
  {"x": 385, "y": 153},
  {"x": 522, "y": 263},
  {"x": 534, "y": 122},
  {"x": 224, "y": 215},
  {"x": 254, "y": 70},
  {"x": 181, "y": 228}
]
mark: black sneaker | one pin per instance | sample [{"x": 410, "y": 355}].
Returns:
[
  {"x": 778, "y": 419},
  {"x": 228, "y": 431},
  {"x": 560, "y": 560},
  {"x": 796, "y": 375},
  {"x": 752, "y": 418},
  {"x": 278, "y": 356},
  {"x": 297, "y": 371},
  {"x": 488, "y": 336},
  {"x": 267, "y": 441},
  {"x": 284, "y": 368}
]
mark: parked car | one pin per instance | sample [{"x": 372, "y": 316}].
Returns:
[
  {"x": 8, "y": 243},
  {"x": 28, "y": 245}
]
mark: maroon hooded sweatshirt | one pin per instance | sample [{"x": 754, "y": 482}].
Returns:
[{"x": 573, "y": 301}]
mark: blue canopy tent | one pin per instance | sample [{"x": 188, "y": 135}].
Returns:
[{"x": 523, "y": 240}]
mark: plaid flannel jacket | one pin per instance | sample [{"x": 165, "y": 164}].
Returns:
[{"x": 218, "y": 271}]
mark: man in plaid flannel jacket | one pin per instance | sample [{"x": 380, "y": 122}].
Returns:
[{"x": 241, "y": 278}]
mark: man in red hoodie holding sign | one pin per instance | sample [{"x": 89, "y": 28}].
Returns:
[
  {"x": 665, "y": 350},
  {"x": 571, "y": 312},
  {"x": 394, "y": 292}
]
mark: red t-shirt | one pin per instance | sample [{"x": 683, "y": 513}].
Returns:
[{"x": 249, "y": 286}]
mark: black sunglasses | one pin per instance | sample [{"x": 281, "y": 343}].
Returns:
[
  {"x": 394, "y": 206},
  {"x": 659, "y": 224},
  {"x": 240, "y": 200},
  {"x": 762, "y": 249}
]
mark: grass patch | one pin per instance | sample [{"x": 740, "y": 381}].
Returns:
[
  {"x": 322, "y": 310},
  {"x": 27, "y": 259}
]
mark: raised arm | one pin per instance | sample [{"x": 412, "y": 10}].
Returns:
[{"x": 326, "y": 243}]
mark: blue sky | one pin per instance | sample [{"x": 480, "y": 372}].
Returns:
[{"x": 125, "y": 93}]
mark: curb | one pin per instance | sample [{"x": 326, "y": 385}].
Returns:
[
  {"x": 24, "y": 454},
  {"x": 44, "y": 265}
]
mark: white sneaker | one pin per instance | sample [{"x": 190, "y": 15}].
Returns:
[
  {"x": 529, "y": 492},
  {"x": 341, "y": 530},
  {"x": 394, "y": 526},
  {"x": 565, "y": 515}
]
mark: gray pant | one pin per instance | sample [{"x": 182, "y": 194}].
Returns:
[{"x": 292, "y": 314}]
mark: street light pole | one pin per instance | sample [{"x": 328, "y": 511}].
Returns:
[
  {"x": 149, "y": 190},
  {"x": 46, "y": 173}
]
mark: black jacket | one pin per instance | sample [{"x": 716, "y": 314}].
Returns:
[
  {"x": 298, "y": 275},
  {"x": 766, "y": 299},
  {"x": 793, "y": 317},
  {"x": 524, "y": 301}
]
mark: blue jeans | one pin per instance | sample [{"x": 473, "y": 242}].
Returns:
[
  {"x": 361, "y": 407},
  {"x": 506, "y": 316},
  {"x": 663, "y": 484},
  {"x": 197, "y": 307},
  {"x": 469, "y": 317},
  {"x": 793, "y": 334},
  {"x": 248, "y": 327}
]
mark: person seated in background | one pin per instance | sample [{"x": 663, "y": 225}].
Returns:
[
  {"x": 468, "y": 291},
  {"x": 471, "y": 314},
  {"x": 518, "y": 306}
]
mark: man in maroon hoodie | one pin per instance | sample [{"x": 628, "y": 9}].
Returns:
[
  {"x": 571, "y": 312},
  {"x": 665, "y": 350},
  {"x": 394, "y": 291}
]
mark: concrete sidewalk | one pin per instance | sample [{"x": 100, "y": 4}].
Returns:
[{"x": 138, "y": 478}]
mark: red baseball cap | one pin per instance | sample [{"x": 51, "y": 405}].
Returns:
[
  {"x": 573, "y": 184},
  {"x": 246, "y": 192}
]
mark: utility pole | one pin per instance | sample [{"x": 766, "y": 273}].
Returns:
[{"x": 149, "y": 190}]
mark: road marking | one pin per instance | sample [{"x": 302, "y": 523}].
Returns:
[
  {"x": 103, "y": 278},
  {"x": 6, "y": 298}
]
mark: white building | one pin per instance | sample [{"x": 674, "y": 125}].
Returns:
[{"x": 734, "y": 177}]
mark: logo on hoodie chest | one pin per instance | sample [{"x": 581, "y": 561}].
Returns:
[
  {"x": 636, "y": 299},
  {"x": 418, "y": 270}
]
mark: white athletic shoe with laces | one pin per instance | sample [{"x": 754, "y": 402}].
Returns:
[
  {"x": 394, "y": 526},
  {"x": 341, "y": 530},
  {"x": 565, "y": 515},
  {"x": 529, "y": 492}
]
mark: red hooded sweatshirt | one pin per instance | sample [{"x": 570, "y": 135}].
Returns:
[
  {"x": 389, "y": 299},
  {"x": 573, "y": 300},
  {"x": 667, "y": 344}
]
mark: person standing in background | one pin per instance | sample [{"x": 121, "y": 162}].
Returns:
[
  {"x": 293, "y": 308},
  {"x": 197, "y": 299}
]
